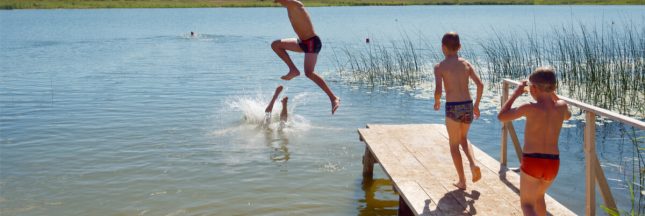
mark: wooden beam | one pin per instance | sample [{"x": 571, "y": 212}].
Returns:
[
  {"x": 602, "y": 184},
  {"x": 502, "y": 158},
  {"x": 599, "y": 111},
  {"x": 516, "y": 141},
  {"x": 368, "y": 163},
  {"x": 590, "y": 150}
]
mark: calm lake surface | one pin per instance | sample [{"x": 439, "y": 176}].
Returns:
[{"x": 121, "y": 112}]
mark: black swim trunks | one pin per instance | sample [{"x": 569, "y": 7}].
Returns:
[
  {"x": 311, "y": 45},
  {"x": 460, "y": 111}
]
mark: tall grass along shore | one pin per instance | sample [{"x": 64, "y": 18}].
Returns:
[{"x": 79, "y": 4}]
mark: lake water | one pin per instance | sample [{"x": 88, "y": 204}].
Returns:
[{"x": 121, "y": 112}]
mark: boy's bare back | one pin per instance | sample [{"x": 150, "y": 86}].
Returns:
[
  {"x": 300, "y": 20},
  {"x": 455, "y": 73},
  {"x": 543, "y": 123}
]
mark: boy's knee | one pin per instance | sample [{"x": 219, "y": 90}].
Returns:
[
  {"x": 309, "y": 74},
  {"x": 275, "y": 44}
]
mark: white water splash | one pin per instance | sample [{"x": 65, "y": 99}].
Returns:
[{"x": 253, "y": 116}]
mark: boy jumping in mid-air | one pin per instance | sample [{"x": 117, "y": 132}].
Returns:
[
  {"x": 454, "y": 72},
  {"x": 540, "y": 160},
  {"x": 307, "y": 42}
]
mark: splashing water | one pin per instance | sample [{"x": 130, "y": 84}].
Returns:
[{"x": 253, "y": 116}]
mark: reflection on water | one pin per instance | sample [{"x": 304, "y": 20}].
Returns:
[
  {"x": 277, "y": 142},
  {"x": 380, "y": 198}
]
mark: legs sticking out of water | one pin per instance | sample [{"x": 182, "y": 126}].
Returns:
[
  {"x": 284, "y": 115},
  {"x": 269, "y": 109}
]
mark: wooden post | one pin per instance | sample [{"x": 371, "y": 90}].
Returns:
[
  {"x": 368, "y": 163},
  {"x": 602, "y": 184},
  {"x": 590, "y": 150},
  {"x": 502, "y": 158},
  {"x": 516, "y": 141},
  {"x": 404, "y": 209}
]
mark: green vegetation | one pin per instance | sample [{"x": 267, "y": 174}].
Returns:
[
  {"x": 379, "y": 65},
  {"x": 604, "y": 67},
  {"x": 51, "y": 4}
]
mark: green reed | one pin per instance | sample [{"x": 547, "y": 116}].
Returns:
[
  {"x": 405, "y": 62},
  {"x": 604, "y": 67},
  {"x": 398, "y": 63}
]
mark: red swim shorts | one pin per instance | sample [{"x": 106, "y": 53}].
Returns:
[{"x": 541, "y": 166}]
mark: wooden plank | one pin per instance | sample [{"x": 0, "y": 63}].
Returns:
[
  {"x": 604, "y": 187},
  {"x": 368, "y": 163},
  {"x": 516, "y": 141},
  {"x": 512, "y": 182},
  {"x": 599, "y": 111},
  {"x": 503, "y": 158},
  {"x": 400, "y": 166},
  {"x": 429, "y": 153},
  {"x": 590, "y": 150},
  {"x": 417, "y": 159}
]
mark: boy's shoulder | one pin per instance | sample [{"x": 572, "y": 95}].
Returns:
[{"x": 529, "y": 107}]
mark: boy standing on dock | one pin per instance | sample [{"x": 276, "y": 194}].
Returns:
[
  {"x": 540, "y": 160},
  {"x": 307, "y": 42},
  {"x": 454, "y": 72}
]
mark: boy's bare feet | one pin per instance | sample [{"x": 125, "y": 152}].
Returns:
[
  {"x": 284, "y": 100},
  {"x": 291, "y": 75},
  {"x": 335, "y": 104},
  {"x": 476, "y": 172},
  {"x": 460, "y": 185}
]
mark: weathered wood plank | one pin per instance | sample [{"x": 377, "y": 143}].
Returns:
[
  {"x": 512, "y": 180},
  {"x": 594, "y": 109},
  {"x": 590, "y": 174},
  {"x": 417, "y": 159}
]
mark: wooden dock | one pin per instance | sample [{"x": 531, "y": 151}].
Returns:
[{"x": 417, "y": 160}]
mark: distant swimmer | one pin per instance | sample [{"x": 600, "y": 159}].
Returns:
[
  {"x": 284, "y": 114},
  {"x": 192, "y": 34},
  {"x": 307, "y": 42}
]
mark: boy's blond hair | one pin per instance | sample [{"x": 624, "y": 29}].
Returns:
[
  {"x": 451, "y": 41},
  {"x": 544, "y": 79}
]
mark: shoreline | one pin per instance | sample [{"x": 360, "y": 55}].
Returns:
[{"x": 77, "y": 4}]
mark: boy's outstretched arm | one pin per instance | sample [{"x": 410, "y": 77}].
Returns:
[
  {"x": 480, "y": 89},
  {"x": 507, "y": 113},
  {"x": 438, "y": 78}
]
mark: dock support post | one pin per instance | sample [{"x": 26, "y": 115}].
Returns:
[
  {"x": 368, "y": 163},
  {"x": 590, "y": 150},
  {"x": 404, "y": 209}
]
